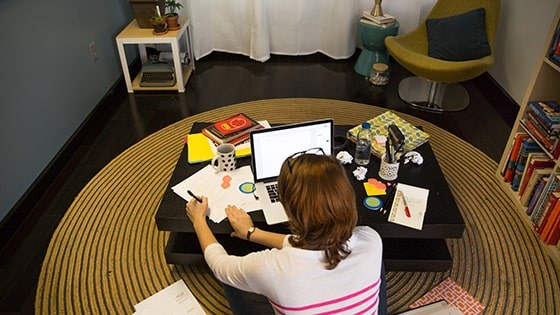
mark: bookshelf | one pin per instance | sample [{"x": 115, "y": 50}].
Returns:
[{"x": 544, "y": 85}]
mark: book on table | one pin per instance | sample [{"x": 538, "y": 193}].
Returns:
[
  {"x": 413, "y": 136},
  {"x": 234, "y": 129},
  {"x": 409, "y": 206},
  {"x": 381, "y": 19}
]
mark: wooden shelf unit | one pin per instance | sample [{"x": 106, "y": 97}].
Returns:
[
  {"x": 132, "y": 34},
  {"x": 544, "y": 85}
]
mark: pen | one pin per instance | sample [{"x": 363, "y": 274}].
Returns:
[
  {"x": 406, "y": 210},
  {"x": 194, "y": 196},
  {"x": 388, "y": 198}
]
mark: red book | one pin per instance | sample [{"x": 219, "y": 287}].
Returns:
[
  {"x": 510, "y": 170},
  {"x": 554, "y": 234},
  {"x": 551, "y": 205},
  {"x": 549, "y": 232},
  {"x": 235, "y": 123}
]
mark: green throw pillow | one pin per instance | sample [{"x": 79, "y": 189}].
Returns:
[{"x": 459, "y": 37}]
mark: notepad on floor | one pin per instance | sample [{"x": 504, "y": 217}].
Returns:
[
  {"x": 409, "y": 206},
  {"x": 453, "y": 294},
  {"x": 175, "y": 299}
]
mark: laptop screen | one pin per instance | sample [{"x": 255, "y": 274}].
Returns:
[{"x": 271, "y": 146}]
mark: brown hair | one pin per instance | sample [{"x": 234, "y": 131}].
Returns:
[{"x": 320, "y": 203}]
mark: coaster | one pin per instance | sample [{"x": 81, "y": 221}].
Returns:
[
  {"x": 247, "y": 188},
  {"x": 373, "y": 203}
]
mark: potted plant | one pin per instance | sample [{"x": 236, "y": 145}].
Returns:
[
  {"x": 172, "y": 16},
  {"x": 158, "y": 22}
]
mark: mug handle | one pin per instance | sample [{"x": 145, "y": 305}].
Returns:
[{"x": 213, "y": 163}]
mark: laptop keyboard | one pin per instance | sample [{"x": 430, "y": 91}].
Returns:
[{"x": 272, "y": 190}]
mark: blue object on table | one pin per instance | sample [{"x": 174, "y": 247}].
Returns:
[{"x": 374, "y": 50}]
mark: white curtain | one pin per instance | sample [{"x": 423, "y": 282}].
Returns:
[{"x": 258, "y": 28}]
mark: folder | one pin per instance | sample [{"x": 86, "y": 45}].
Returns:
[{"x": 201, "y": 149}]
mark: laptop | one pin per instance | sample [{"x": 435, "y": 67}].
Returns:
[{"x": 271, "y": 146}]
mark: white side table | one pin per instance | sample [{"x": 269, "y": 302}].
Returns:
[{"x": 133, "y": 34}]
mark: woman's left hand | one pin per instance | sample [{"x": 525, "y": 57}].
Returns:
[{"x": 240, "y": 221}]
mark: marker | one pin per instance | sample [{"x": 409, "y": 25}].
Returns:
[
  {"x": 194, "y": 196},
  {"x": 406, "y": 210},
  {"x": 388, "y": 198}
]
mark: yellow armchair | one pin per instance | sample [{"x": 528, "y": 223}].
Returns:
[{"x": 436, "y": 86}]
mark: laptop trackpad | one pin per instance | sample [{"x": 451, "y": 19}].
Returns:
[{"x": 275, "y": 215}]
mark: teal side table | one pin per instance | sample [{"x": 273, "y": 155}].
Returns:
[{"x": 374, "y": 51}]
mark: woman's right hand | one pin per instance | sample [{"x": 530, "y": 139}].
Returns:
[{"x": 240, "y": 221}]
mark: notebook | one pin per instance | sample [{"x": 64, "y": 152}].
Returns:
[{"x": 271, "y": 146}]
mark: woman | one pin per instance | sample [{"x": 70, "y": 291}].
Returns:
[{"x": 327, "y": 264}]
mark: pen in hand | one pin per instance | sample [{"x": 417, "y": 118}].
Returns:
[{"x": 194, "y": 196}]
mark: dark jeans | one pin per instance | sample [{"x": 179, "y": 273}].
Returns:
[{"x": 248, "y": 303}]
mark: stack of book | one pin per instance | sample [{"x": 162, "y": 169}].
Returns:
[
  {"x": 234, "y": 129},
  {"x": 384, "y": 20},
  {"x": 544, "y": 209},
  {"x": 542, "y": 121}
]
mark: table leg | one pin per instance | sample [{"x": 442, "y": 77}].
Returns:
[{"x": 124, "y": 65}]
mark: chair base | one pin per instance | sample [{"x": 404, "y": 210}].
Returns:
[{"x": 433, "y": 96}]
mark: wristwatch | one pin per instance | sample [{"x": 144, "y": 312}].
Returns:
[{"x": 249, "y": 232}]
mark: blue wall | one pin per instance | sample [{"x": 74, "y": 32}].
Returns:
[{"x": 49, "y": 83}]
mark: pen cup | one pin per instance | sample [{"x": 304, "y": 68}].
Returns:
[
  {"x": 225, "y": 158},
  {"x": 388, "y": 171}
]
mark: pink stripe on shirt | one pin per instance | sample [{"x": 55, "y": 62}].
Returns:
[{"x": 374, "y": 287}]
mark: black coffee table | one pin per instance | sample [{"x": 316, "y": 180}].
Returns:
[{"x": 405, "y": 249}]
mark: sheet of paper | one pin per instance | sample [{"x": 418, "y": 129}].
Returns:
[
  {"x": 175, "y": 299},
  {"x": 209, "y": 182},
  {"x": 416, "y": 199}
]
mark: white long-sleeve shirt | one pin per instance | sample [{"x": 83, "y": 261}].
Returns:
[{"x": 296, "y": 281}]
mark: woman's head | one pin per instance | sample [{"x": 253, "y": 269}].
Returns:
[{"x": 320, "y": 203}]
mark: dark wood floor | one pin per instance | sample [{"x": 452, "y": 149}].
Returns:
[{"x": 219, "y": 79}]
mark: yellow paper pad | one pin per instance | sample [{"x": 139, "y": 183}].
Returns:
[
  {"x": 372, "y": 190},
  {"x": 201, "y": 149}
]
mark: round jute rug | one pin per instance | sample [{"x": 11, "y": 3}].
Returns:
[{"x": 107, "y": 254}]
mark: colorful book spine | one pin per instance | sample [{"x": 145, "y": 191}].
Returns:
[
  {"x": 535, "y": 197},
  {"x": 547, "y": 111},
  {"x": 535, "y": 179},
  {"x": 527, "y": 146},
  {"x": 547, "y": 210},
  {"x": 549, "y": 232},
  {"x": 534, "y": 160},
  {"x": 538, "y": 134},
  {"x": 513, "y": 156},
  {"x": 552, "y": 185}
]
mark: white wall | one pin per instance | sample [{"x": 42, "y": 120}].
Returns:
[{"x": 520, "y": 40}]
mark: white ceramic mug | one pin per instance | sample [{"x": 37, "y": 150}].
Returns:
[{"x": 225, "y": 158}]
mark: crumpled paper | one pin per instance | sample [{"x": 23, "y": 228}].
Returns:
[
  {"x": 344, "y": 157},
  {"x": 414, "y": 157},
  {"x": 360, "y": 173}
]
